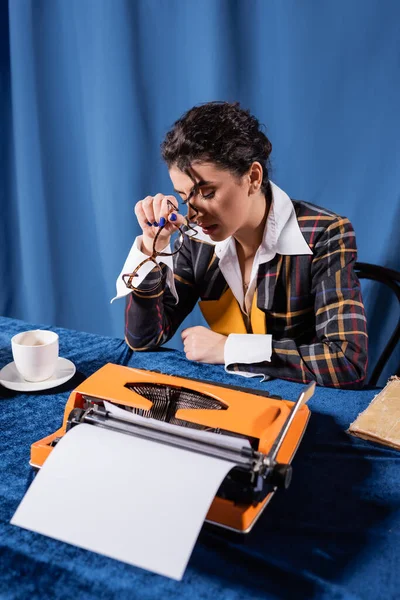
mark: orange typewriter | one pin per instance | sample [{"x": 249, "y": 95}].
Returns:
[{"x": 257, "y": 432}]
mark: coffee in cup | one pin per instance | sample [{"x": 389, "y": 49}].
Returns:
[{"x": 35, "y": 354}]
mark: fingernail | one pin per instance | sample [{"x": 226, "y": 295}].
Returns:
[
  {"x": 162, "y": 222},
  {"x": 173, "y": 217},
  {"x": 149, "y": 224},
  {"x": 155, "y": 224}
]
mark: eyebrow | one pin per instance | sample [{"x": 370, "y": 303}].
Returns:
[{"x": 201, "y": 183}]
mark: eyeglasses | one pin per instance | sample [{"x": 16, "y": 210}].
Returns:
[{"x": 154, "y": 277}]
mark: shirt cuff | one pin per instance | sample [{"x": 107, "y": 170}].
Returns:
[
  {"x": 134, "y": 258},
  {"x": 247, "y": 348}
]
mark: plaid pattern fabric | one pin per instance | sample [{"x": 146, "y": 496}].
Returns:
[{"x": 312, "y": 304}]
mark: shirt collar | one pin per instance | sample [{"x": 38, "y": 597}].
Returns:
[
  {"x": 289, "y": 239},
  {"x": 282, "y": 233}
]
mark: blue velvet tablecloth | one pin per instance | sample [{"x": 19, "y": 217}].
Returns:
[{"x": 334, "y": 534}]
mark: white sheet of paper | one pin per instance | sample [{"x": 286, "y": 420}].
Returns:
[
  {"x": 140, "y": 502},
  {"x": 227, "y": 441}
]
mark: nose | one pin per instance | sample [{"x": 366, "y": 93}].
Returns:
[{"x": 193, "y": 207}]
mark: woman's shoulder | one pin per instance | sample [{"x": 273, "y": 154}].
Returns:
[
  {"x": 307, "y": 211},
  {"x": 317, "y": 223},
  {"x": 313, "y": 216}
]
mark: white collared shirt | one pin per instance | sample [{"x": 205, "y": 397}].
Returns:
[{"x": 282, "y": 235}]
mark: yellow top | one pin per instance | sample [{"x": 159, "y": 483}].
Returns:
[{"x": 225, "y": 316}]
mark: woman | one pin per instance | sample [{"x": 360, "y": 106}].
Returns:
[{"x": 274, "y": 276}]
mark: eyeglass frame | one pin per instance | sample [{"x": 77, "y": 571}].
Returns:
[{"x": 127, "y": 278}]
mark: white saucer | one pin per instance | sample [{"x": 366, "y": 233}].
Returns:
[{"x": 11, "y": 379}]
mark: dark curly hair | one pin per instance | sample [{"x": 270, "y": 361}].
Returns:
[{"x": 222, "y": 133}]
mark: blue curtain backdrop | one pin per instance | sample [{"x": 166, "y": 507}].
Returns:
[{"x": 89, "y": 88}]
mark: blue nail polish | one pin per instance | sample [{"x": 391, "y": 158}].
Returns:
[
  {"x": 149, "y": 224},
  {"x": 162, "y": 222},
  {"x": 155, "y": 224},
  {"x": 173, "y": 217}
]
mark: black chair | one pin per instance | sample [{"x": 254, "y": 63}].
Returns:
[{"x": 391, "y": 279}]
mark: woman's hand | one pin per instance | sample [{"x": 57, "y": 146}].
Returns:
[
  {"x": 203, "y": 345},
  {"x": 154, "y": 212}
]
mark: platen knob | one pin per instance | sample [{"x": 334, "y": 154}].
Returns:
[{"x": 281, "y": 476}]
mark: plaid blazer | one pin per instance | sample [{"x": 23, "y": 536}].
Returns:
[{"x": 311, "y": 304}]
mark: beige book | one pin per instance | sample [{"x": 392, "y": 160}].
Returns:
[{"x": 380, "y": 422}]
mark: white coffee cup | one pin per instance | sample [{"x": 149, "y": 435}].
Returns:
[{"x": 35, "y": 354}]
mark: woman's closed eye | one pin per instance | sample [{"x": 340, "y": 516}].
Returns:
[{"x": 202, "y": 196}]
